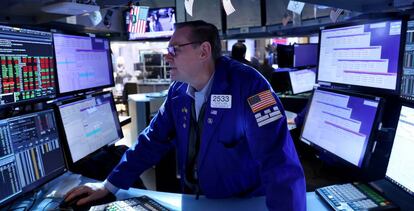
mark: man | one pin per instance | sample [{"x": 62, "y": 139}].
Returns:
[
  {"x": 227, "y": 125},
  {"x": 122, "y": 76},
  {"x": 154, "y": 23},
  {"x": 238, "y": 52},
  {"x": 266, "y": 70}
]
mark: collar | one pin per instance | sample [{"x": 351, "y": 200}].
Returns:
[{"x": 191, "y": 91}]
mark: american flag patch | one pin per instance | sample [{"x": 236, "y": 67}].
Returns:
[
  {"x": 267, "y": 116},
  {"x": 261, "y": 101}
]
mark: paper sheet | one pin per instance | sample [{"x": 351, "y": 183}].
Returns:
[
  {"x": 228, "y": 7},
  {"x": 189, "y": 6},
  {"x": 296, "y": 6}
]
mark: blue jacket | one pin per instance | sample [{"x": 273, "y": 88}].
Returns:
[
  {"x": 237, "y": 157},
  {"x": 300, "y": 118}
]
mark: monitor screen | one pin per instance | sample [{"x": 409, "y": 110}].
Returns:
[
  {"x": 27, "y": 65},
  {"x": 82, "y": 63},
  {"x": 90, "y": 124},
  {"x": 279, "y": 81},
  {"x": 284, "y": 55},
  {"x": 400, "y": 169},
  {"x": 153, "y": 63},
  {"x": 146, "y": 23},
  {"x": 364, "y": 55},
  {"x": 305, "y": 55},
  {"x": 302, "y": 80},
  {"x": 30, "y": 153},
  {"x": 341, "y": 124},
  {"x": 407, "y": 78}
]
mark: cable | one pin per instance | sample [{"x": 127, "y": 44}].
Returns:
[
  {"x": 16, "y": 208},
  {"x": 24, "y": 207},
  {"x": 29, "y": 203},
  {"x": 57, "y": 207},
  {"x": 34, "y": 200}
]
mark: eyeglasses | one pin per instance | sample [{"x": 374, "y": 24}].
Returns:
[{"x": 172, "y": 50}]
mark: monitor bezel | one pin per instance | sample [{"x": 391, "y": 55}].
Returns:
[
  {"x": 72, "y": 165},
  {"x": 55, "y": 87},
  {"x": 90, "y": 89},
  {"x": 47, "y": 178},
  {"x": 306, "y": 66},
  {"x": 389, "y": 179},
  {"x": 370, "y": 90},
  {"x": 374, "y": 128},
  {"x": 154, "y": 38}
]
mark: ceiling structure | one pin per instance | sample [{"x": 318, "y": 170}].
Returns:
[{"x": 54, "y": 12}]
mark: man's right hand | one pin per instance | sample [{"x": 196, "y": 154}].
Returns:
[{"x": 87, "y": 194}]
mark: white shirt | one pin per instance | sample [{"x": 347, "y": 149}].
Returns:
[{"x": 200, "y": 97}]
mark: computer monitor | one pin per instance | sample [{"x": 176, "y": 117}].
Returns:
[
  {"x": 89, "y": 124},
  {"x": 285, "y": 55},
  {"x": 400, "y": 169},
  {"x": 280, "y": 81},
  {"x": 302, "y": 80},
  {"x": 149, "y": 23},
  {"x": 30, "y": 153},
  {"x": 362, "y": 56},
  {"x": 83, "y": 63},
  {"x": 27, "y": 65},
  {"x": 342, "y": 124},
  {"x": 153, "y": 63},
  {"x": 305, "y": 55},
  {"x": 407, "y": 78}
]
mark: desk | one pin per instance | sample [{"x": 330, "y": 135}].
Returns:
[
  {"x": 142, "y": 86},
  {"x": 141, "y": 107},
  {"x": 156, "y": 85},
  {"x": 188, "y": 202},
  {"x": 176, "y": 201},
  {"x": 123, "y": 120}
]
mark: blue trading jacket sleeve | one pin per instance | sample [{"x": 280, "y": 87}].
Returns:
[
  {"x": 151, "y": 146},
  {"x": 300, "y": 118},
  {"x": 272, "y": 146}
]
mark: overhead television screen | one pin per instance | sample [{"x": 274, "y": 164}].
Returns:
[{"x": 146, "y": 23}]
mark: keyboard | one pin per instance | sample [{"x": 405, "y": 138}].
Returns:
[
  {"x": 354, "y": 196},
  {"x": 142, "y": 203}
]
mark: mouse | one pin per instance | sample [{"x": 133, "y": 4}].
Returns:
[{"x": 71, "y": 205}]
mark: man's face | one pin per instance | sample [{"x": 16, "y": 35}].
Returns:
[{"x": 185, "y": 64}]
